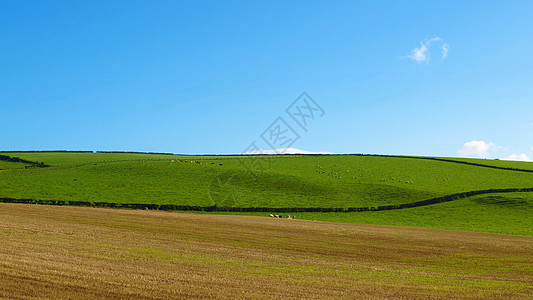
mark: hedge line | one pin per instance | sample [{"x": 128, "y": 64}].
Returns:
[
  {"x": 20, "y": 160},
  {"x": 172, "y": 207},
  {"x": 461, "y": 162}
]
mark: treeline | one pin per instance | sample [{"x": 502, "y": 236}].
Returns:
[
  {"x": 85, "y": 151},
  {"x": 215, "y": 208},
  {"x": 35, "y": 164},
  {"x": 136, "y": 152},
  {"x": 46, "y": 151}
]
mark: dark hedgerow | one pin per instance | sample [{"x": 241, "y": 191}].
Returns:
[{"x": 213, "y": 208}]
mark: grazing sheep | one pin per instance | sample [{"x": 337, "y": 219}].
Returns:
[
  {"x": 271, "y": 215},
  {"x": 289, "y": 217}
]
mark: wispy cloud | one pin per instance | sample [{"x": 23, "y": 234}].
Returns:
[
  {"x": 517, "y": 157},
  {"x": 476, "y": 148},
  {"x": 422, "y": 54},
  {"x": 419, "y": 54},
  {"x": 445, "y": 49}
]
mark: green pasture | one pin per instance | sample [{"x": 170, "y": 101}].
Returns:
[{"x": 338, "y": 181}]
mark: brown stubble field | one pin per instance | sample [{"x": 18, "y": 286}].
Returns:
[{"x": 76, "y": 252}]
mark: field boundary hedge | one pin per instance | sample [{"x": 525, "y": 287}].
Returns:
[
  {"x": 460, "y": 162},
  {"x": 214, "y": 208},
  {"x": 35, "y": 164}
]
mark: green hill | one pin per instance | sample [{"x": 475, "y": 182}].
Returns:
[
  {"x": 6, "y": 165},
  {"x": 329, "y": 181}
]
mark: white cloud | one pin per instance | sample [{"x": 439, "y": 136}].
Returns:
[
  {"x": 419, "y": 54},
  {"x": 422, "y": 53},
  {"x": 284, "y": 151},
  {"x": 517, "y": 157},
  {"x": 477, "y": 148},
  {"x": 445, "y": 49},
  {"x": 482, "y": 149}
]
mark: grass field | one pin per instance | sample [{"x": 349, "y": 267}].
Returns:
[
  {"x": 80, "y": 253},
  {"x": 498, "y": 163},
  {"x": 300, "y": 181},
  {"x": 337, "y": 181},
  {"x": 4, "y": 165},
  {"x": 510, "y": 213}
]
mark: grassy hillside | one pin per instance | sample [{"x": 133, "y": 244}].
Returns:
[
  {"x": 6, "y": 165},
  {"x": 498, "y": 163},
  {"x": 295, "y": 181},
  {"x": 338, "y": 181},
  {"x": 87, "y": 253},
  {"x": 509, "y": 213},
  {"x": 9, "y": 163}
]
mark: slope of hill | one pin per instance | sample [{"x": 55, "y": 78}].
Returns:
[
  {"x": 498, "y": 163},
  {"x": 9, "y": 163},
  {"x": 6, "y": 165},
  {"x": 507, "y": 213},
  {"x": 331, "y": 181}
]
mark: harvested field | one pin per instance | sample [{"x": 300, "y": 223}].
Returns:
[{"x": 76, "y": 252}]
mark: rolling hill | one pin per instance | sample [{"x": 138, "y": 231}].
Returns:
[{"x": 288, "y": 183}]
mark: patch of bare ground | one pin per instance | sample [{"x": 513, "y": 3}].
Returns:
[{"x": 76, "y": 252}]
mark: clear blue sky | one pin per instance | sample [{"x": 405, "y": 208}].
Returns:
[{"x": 211, "y": 76}]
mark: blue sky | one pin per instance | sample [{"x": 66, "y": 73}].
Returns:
[{"x": 212, "y": 76}]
